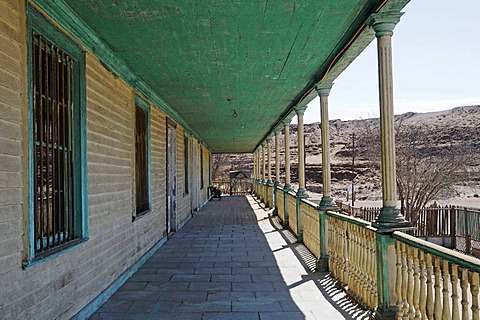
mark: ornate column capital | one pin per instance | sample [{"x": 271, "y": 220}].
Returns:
[
  {"x": 286, "y": 121},
  {"x": 264, "y": 143},
  {"x": 300, "y": 110},
  {"x": 277, "y": 130},
  {"x": 323, "y": 88},
  {"x": 383, "y": 23}
]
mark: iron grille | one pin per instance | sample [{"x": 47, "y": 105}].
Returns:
[{"x": 53, "y": 134}]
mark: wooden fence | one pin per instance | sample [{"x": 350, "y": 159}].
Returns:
[
  {"x": 450, "y": 226},
  {"x": 235, "y": 187}
]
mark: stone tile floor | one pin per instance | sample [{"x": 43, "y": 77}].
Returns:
[{"x": 231, "y": 261}]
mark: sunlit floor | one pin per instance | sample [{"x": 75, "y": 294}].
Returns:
[{"x": 231, "y": 261}]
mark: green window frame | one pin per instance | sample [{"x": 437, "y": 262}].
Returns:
[
  {"x": 57, "y": 158},
  {"x": 142, "y": 165}
]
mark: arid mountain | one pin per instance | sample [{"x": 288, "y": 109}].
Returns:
[{"x": 457, "y": 129}]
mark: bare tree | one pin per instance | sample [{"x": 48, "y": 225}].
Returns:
[
  {"x": 218, "y": 166},
  {"x": 424, "y": 168},
  {"x": 426, "y": 163}
]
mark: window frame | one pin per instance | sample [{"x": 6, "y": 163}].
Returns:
[
  {"x": 38, "y": 23},
  {"x": 141, "y": 103}
]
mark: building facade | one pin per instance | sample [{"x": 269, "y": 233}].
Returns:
[{"x": 94, "y": 175}]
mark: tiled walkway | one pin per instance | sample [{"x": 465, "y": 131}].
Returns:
[{"x": 231, "y": 261}]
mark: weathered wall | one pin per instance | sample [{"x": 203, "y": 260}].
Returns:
[
  {"x": 12, "y": 158},
  {"x": 158, "y": 126},
  {"x": 183, "y": 199},
  {"x": 63, "y": 285}
]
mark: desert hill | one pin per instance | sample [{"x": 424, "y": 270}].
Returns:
[{"x": 456, "y": 130}]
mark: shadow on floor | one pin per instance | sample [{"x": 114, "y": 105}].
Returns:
[{"x": 231, "y": 261}]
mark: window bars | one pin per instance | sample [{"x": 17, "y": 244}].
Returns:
[{"x": 53, "y": 134}]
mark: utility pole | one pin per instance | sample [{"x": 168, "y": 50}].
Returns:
[{"x": 353, "y": 169}]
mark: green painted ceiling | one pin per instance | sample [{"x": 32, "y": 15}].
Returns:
[{"x": 231, "y": 69}]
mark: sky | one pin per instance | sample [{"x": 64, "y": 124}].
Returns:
[{"x": 436, "y": 64}]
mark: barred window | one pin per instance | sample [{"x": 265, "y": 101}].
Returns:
[
  {"x": 141, "y": 160},
  {"x": 58, "y": 211}
]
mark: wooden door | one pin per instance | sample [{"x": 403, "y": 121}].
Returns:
[{"x": 171, "y": 177}]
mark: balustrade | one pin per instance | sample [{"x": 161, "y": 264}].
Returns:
[
  {"x": 280, "y": 204},
  {"x": 269, "y": 195},
  {"x": 352, "y": 257},
  {"x": 311, "y": 226},
  {"x": 292, "y": 209},
  {"x": 429, "y": 281},
  {"x": 433, "y": 282}
]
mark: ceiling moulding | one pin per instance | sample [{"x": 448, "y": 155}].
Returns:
[{"x": 66, "y": 18}]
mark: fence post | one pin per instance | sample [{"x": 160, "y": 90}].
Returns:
[
  {"x": 386, "y": 270},
  {"x": 453, "y": 227},
  {"x": 468, "y": 244},
  {"x": 275, "y": 198},
  {"x": 322, "y": 262},
  {"x": 299, "y": 218}
]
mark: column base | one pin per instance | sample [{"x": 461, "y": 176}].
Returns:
[
  {"x": 301, "y": 193},
  {"x": 322, "y": 265},
  {"x": 287, "y": 187},
  {"x": 390, "y": 313},
  {"x": 390, "y": 218},
  {"x": 327, "y": 203}
]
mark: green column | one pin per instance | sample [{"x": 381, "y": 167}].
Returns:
[
  {"x": 287, "y": 186},
  {"x": 390, "y": 219},
  {"x": 323, "y": 90},
  {"x": 301, "y": 153},
  {"x": 327, "y": 203},
  {"x": 286, "y": 124},
  {"x": 277, "y": 170},
  {"x": 383, "y": 25},
  {"x": 263, "y": 162},
  {"x": 301, "y": 194},
  {"x": 264, "y": 180},
  {"x": 269, "y": 161}
]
